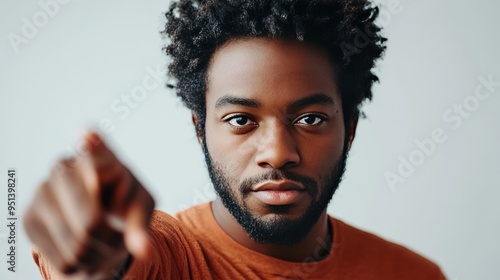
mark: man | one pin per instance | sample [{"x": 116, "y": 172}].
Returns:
[{"x": 275, "y": 89}]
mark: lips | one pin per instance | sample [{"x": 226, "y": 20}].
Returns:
[
  {"x": 282, "y": 185},
  {"x": 279, "y": 192}
]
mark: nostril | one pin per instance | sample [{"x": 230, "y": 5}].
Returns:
[{"x": 278, "y": 159}]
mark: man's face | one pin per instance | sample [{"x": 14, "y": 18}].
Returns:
[{"x": 275, "y": 140}]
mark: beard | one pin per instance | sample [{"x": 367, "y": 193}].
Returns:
[{"x": 278, "y": 229}]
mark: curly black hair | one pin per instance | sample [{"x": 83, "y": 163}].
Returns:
[{"x": 344, "y": 28}]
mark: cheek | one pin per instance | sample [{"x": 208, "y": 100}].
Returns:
[
  {"x": 230, "y": 152},
  {"x": 217, "y": 141},
  {"x": 320, "y": 152}
]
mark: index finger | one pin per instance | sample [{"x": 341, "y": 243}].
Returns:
[{"x": 101, "y": 159}]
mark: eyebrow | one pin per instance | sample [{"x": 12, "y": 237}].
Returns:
[
  {"x": 232, "y": 100},
  {"x": 317, "y": 98}
]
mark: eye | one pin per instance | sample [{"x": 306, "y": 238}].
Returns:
[
  {"x": 239, "y": 121},
  {"x": 311, "y": 120}
]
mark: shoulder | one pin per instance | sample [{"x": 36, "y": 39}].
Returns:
[
  {"x": 167, "y": 229},
  {"x": 376, "y": 253},
  {"x": 182, "y": 229},
  {"x": 196, "y": 218},
  {"x": 164, "y": 222}
]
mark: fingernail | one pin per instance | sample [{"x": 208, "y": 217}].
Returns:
[{"x": 92, "y": 140}]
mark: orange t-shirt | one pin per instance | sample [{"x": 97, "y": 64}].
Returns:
[{"x": 195, "y": 247}]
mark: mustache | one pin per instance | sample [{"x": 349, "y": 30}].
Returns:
[{"x": 275, "y": 175}]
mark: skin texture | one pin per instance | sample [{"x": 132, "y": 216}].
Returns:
[
  {"x": 264, "y": 133},
  {"x": 69, "y": 217}
]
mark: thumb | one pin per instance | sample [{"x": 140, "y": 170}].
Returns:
[{"x": 137, "y": 239}]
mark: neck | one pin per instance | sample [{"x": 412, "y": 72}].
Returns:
[{"x": 315, "y": 246}]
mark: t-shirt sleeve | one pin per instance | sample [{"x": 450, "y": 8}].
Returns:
[{"x": 174, "y": 254}]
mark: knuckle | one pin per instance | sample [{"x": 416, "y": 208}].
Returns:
[
  {"x": 40, "y": 191},
  {"x": 63, "y": 167},
  {"x": 32, "y": 220},
  {"x": 59, "y": 167},
  {"x": 59, "y": 172},
  {"x": 31, "y": 223}
]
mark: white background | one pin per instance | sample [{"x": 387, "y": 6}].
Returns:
[{"x": 68, "y": 74}]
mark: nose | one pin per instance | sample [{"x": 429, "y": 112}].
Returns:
[{"x": 276, "y": 147}]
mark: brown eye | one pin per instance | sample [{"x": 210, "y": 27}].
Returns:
[
  {"x": 239, "y": 121},
  {"x": 310, "y": 120}
]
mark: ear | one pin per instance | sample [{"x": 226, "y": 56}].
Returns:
[
  {"x": 194, "y": 119},
  {"x": 352, "y": 131}
]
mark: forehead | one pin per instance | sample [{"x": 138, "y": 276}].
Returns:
[{"x": 262, "y": 68}]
